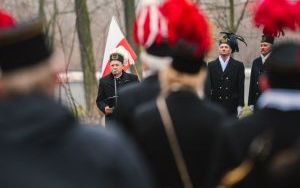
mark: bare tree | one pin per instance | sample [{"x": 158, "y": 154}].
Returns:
[
  {"x": 129, "y": 11},
  {"x": 41, "y": 8},
  {"x": 226, "y": 20},
  {"x": 87, "y": 55}
]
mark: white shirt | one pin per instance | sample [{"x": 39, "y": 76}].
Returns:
[
  {"x": 224, "y": 63},
  {"x": 264, "y": 58}
]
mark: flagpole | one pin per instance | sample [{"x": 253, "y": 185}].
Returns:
[{"x": 136, "y": 72}]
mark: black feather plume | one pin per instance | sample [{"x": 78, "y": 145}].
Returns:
[{"x": 233, "y": 40}]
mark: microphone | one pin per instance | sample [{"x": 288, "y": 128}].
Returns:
[{"x": 114, "y": 72}]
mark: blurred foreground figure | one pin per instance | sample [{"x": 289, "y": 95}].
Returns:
[
  {"x": 266, "y": 145},
  {"x": 177, "y": 130},
  {"x": 150, "y": 33},
  {"x": 42, "y": 144}
]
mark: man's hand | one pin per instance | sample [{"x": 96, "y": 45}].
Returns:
[{"x": 108, "y": 110}]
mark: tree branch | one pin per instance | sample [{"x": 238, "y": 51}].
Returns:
[{"x": 241, "y": 16}]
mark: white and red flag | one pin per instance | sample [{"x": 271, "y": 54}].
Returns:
[{"x": 115, "y": 39}]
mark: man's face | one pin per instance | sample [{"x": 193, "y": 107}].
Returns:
[
  {"x": 116, "y": 67},
  {"x": 224, "y": 50},
  {"x": 265, "y": 48}
]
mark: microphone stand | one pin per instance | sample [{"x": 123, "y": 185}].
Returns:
[{"x": 116, "y": 92}]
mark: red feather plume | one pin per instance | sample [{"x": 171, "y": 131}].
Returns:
[
  {"x": 275, "y": 16},
  {"x": 6, "y": 20},
  {"x": 187, "y": 22},
  {"x": 149, "y": 26},
  {"x": 297, "y": 13}
]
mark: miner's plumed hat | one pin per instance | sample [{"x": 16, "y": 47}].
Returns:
[
  {"x": 150, "y": 29},
  {"x": 189, "y": 44},
  {"x": 164, "y": 31},
  {"x": 232, "y": 40}
]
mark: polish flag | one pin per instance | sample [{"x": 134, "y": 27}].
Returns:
[{"x": 115, "y": 39}]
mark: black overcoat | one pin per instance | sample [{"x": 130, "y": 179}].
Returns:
[
  {"x": 283, "y": 129},
  {"x": 227, "y": 88},
  {"x": 257, "y": 70},
  {"x": 196, "y": 123},
  {"x": 134, "y": 95},
  {"x": 106, "y": 90}
]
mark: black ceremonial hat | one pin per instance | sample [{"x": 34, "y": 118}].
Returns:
[
  {"x": 116, "y": 57},
  {"x": 232, "y": 40},
  {"x": 24, "y": 45},
  {"x": 267, "y": 39}
]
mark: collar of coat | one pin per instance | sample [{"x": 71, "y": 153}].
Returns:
[
  {"x": 264, "y": 58},
  {"x": 121, "y": 77},
  {"x": 281, "y": 99}
]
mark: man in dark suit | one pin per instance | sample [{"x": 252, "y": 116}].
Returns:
[
  {"x": 180, "y": 114},
  {"x": 154, "y": 58},
  {"x": 266, "y": 144},
  {"x": 107, "y": 99},
  {"x": 258, "y": 68},
  {"x": 227, "y": 76},
  {"x": 42, "y": 143}
]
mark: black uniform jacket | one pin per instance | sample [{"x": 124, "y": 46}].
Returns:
[
  {"x": 196, "y": 123},
  {"x": 106, "y": 89},
  {"x": 134, "y": 95},
  {"x": 283, "y": 128},
  {"x": 227, "y": 88},
  {"x": 42, "y": 145},
  {"x": 256, "y": 71}
]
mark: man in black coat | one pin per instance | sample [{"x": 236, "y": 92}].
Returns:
[
  {"x": 192, "y": 122},
  {"x": 269, "y": 139},
  {"x": 107, "y": 99},
  {"x": 42, "y": 144},
  {"x": 258, "y": 68},
  {"x": 227, "y": 76}
]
